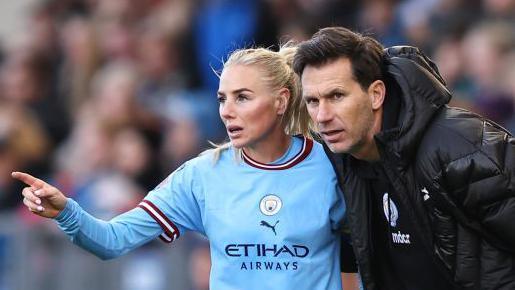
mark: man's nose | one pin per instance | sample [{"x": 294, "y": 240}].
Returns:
[{"x": 324, "y": 113}]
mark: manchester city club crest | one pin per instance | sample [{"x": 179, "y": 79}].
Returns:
[
  {"x": 270, "y": 204},
  {"x": 390, "y": 210}
]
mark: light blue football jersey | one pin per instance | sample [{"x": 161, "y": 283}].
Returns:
[{"x": 270, "y": 226}]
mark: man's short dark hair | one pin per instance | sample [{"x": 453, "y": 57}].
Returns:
[{"x": 328, "y": 44}]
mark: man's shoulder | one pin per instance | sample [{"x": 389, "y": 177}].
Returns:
[
  {"x": 456, "y": 123},
  {"x": 456, "y": 132}
]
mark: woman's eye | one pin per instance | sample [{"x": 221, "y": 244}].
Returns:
[
  {"x": 221, "y": 99},
  {"x": 241, "y": 97}
]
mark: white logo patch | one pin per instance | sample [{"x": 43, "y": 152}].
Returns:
[
  {"x": 270, "y": 204},
  {"x": 400, "y": 238},
  {"x": 426, "y": 193},
  {"x": 390, "y": 210}
]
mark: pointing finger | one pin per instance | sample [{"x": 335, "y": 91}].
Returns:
[{"x": 28, "y": 179}]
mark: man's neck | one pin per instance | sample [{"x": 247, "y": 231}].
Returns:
[{"x": 369, "y": 151}]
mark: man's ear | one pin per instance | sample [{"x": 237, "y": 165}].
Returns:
[
  {"x": 376, "y": 92},
  {"x": 283, "y": 97}
]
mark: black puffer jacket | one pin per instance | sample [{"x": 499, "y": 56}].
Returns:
[{"x": 463, "y": 164}]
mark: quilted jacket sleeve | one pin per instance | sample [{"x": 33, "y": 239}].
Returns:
[{"x": 471, "y": 161}]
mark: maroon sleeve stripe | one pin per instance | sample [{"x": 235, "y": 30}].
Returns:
[
  {"x": 171, "y": 232},
  {"x": 163, "y": 237}
]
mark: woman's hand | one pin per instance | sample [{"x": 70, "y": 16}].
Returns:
[{"x": 41, "y": 198}]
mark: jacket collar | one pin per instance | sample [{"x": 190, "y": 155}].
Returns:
[{"x": 415, "y": 93}]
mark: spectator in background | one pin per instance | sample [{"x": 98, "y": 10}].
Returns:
[
  {"x": 189, "y": 123},
  {"x": 452, "y": 17},
  {"x": 507, "y": 76},
  {"x": 182, "y": 136},
  {"x": 132, "y": 157},
  {"x": 496, "y": 10},
  {"x": 25, "y": 82},
  {"x": 222, "y": 26},
  {"x": 159, "y": 60},
  {"x": 81, "y": 59},
  {"x": 451, "y": 64},
  {"x": 113, "y": 95},
  {"x": 485, "y": 48},
  {"x": 381, "y": 18},
  {"x": 85, "y": 168},
  {"x": 23, "y": 144},
  {"x": 116, "y": 22}
]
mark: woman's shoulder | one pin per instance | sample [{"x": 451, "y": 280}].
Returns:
[
  {"x": 316, "y": 147},
  {"x": 318, "y": 153},
  {"x": 211, "y": 157},
  {"x": 316, "y": 144}
]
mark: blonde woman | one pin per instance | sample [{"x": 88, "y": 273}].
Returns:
[{"x": 267, "y": 201}]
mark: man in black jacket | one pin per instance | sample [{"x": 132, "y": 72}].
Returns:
[{"x": 430, "y": 190}]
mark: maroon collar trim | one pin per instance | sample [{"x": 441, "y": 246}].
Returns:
[{"x": 307, "y": 145}]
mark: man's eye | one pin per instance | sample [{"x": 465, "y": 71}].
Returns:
[
  {"x": 337, "y": 96},
  {"x": 311, "y": 101},
  {"x": 221, "y": 99}
]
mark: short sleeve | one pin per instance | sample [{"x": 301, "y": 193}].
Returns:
[{"x": 174, "y": 205}]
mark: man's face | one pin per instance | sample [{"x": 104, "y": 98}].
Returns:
[{"x": 339, "y": 107}]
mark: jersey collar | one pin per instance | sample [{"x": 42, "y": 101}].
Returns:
[{"x": 307, "y": 145}]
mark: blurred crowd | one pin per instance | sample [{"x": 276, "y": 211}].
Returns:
[{"x": 105, "y": 98}]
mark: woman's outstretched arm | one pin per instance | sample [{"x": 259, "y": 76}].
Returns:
[{"x": 105, "y": 239}]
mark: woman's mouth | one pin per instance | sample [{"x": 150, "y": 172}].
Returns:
[{"x": 234, "y": 131}]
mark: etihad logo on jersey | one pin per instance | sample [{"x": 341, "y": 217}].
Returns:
[
  {"x": 276, "y": 266},
  {"x": 263, "y": 250},
  {"x": 289, "y": 256}
]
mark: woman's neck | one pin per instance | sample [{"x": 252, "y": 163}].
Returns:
[{"x": 269, "y": 149}]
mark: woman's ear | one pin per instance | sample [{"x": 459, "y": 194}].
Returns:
[
  {"x": 281, "y": 102},
  {"x": 377, "y": 92}
]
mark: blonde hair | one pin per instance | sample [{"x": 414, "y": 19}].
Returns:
[{"x": 278, "y": 73}]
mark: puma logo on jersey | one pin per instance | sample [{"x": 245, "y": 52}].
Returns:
[{"x": 265, "y": 224}]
